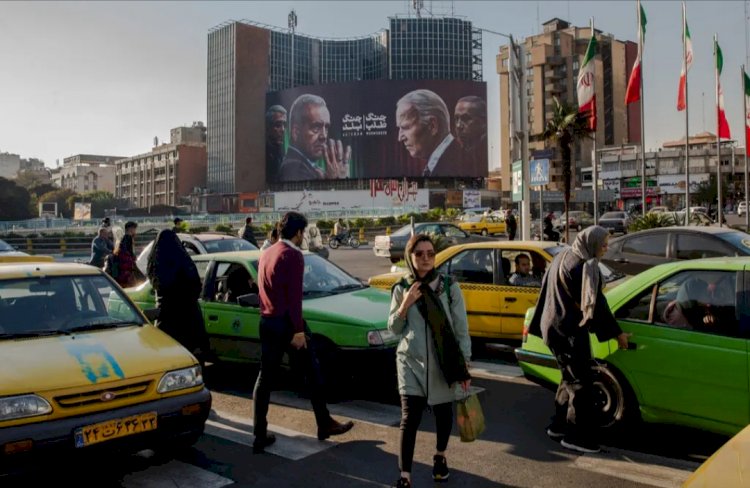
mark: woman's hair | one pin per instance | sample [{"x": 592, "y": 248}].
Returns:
[{"x": 274, "y": 233}]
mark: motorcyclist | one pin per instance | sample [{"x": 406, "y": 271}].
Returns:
[{"x": 549, "y": 231}]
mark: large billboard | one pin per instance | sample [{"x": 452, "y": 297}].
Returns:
[{"x": 377, "y": 129}]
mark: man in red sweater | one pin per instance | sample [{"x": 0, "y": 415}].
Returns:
[{"x": 280, "y": 273}]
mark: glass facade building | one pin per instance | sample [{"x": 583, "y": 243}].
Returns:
[{"x": 247, "y": 59}]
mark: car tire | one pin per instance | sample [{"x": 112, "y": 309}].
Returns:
[
  {"x": 614, "y": 401},
  {"x": 394, "y": 260},
  {"x": 484, "y": 232}
]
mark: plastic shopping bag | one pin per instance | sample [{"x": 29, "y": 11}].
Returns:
[{"x": 470, "y": 418}]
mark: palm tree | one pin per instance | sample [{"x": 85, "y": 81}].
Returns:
[{"x": 566, "y": 127}]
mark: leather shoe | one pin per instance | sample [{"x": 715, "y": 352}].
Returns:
[
  {"x": 334, "y": 428},
  {"x": 260, "y": 443}
]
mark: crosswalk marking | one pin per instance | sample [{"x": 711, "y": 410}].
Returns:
[
  {"x": 495, "y": 370},
  {"x": 174, "y": 474},
  {"x": 289, "y": 444},
  {"x": 361, "y": 410},
  {"x": 647, "y": 469}
]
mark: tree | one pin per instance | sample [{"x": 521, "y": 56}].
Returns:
[
  {"x": 60, "y": 196},
  {"x": 41, "y": 189},
  {"x": 706, "y": 192},
  {"x": 30, "y": 179},
  {"x": 14, "y": 201},
  {"x": 566, "y": 128}
]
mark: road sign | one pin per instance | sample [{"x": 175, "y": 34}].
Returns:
[
  {"x": 539, "y": 169},
  {"x": 517, "y": 177}
]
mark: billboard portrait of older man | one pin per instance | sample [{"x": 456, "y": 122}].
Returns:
[
  {"x": 275, "y": 131},
  {"x": 470, "y": 120},
  {"x": 424, "y": 130},
  {"x": 309, "y": 125}
]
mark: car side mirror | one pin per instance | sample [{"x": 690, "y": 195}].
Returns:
[{"x": 249, "y": 300}]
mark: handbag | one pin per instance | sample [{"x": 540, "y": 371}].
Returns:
[{"x": 470, "y": 418}]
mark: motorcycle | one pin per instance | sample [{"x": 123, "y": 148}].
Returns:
[
  {"x": 550, "y": 234},
  {"x": 345, "y": 238}
]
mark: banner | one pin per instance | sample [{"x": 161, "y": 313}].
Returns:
[
  {"x": 381, "y": 196},
  {"x": 82, "y": 211},
  {"x": 377, "y": 129},
  {"x": 472, "y": 198}
]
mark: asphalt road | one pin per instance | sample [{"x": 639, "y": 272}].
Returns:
[{"x": 514, "y": 450}]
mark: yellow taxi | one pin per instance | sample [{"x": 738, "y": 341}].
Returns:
[
  {"x": 82, "y": 368},
  {"x": 483, "y": 224},
  {"x": 495, "y": 307}
]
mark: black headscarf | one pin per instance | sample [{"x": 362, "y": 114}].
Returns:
[{"x": 166, "y": 260}]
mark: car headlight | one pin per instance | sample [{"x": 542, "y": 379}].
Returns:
[
  {"x": 180, "y": 379},
  {"x": 380, "y": 337},
  {"x": 17, "y": 407}
]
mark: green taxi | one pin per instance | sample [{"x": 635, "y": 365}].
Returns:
[
  {"x": 688, "y": 358},
  {"x": 348, "y": 319}
]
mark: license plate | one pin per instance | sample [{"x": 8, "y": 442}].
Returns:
[{"x": 114, "y": 429}]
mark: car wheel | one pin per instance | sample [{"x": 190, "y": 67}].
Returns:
[
  {"x": 394, "y": 260},
  {"x": 614, "y": 402},
  {"x": 484, "y": 232}
]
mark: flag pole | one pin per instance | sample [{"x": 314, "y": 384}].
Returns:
[
  {"x": 718, "y": 130},
  {"x": 643, "y": 132},
  {"x": 687, "y": 119},
  {"x": 744, "y": 111},
  {"x": 595, "y": 174}
]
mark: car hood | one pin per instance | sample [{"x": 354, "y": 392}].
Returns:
[
  {"x": 368, "y": 307},
  {"x": 83, "y": 359}
]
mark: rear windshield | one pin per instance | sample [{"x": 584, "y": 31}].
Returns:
[{"x": 614, "y": 215}]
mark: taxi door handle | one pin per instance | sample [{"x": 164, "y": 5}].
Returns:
[
  {"x": 510, "y": 299},
  {"x": 213, "y": 317}
]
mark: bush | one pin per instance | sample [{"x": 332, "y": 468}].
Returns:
[
  {"x": 360, "y": 222},
  {"x": 386, "y": 221},
  {"x": 452, "y": 213},
  {"x": 324, "y": 224},
  {"x": 266, "y": 227},
  {"x": 435, "y": 214},
  {"x": 225, "y": 228},
  {"x": 198, "y": 229},
  {"x": 651, "y": 221}
]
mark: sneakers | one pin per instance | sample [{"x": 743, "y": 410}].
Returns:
[
  {"x": 580, "y": 445},
  {"x": 555, "y": 433},
  {"x": 402, "y": 483},
  {"x": 260, "y": 443},
  {"x": 440, "y": 470}
]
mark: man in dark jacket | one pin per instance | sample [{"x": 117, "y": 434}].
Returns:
[
  {"x": 101, "y": 247},
  {"x": 511, "y": 224},
  {"x": 570, "y": 298},
  {"x": 248, "y": 233}
]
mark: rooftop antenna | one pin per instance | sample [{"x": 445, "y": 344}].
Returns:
[{"x": 418, "y": 5}]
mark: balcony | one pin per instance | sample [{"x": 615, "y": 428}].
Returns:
[{"x": 555, "y": 60}]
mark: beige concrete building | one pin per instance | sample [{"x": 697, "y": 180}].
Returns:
[
  {"x": 168, "y": 173},
  {"x": 9, "y": 165},
  {"x": 551, "y": 63},
  {"x": 83, "y": 173}
]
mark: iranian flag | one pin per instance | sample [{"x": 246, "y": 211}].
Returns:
[
  {"x": 747, "y": 112},
  {"x": 585, "y": 86},
  {"x": 686, "y": 63},
  {"x": 633, "y": 93},
  {"x": 723, "y": 129}
]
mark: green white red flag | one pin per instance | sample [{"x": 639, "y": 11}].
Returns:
[
  {"x": 747, "y": 112},
  {"x": 723, "y": 125},
  {"x": 686, "y": 63},
  {"x": 633, "y": 93},
  {"x": 585, "y": 86}
]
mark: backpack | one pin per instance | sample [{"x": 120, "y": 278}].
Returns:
[{"x": 112, "y": 266}]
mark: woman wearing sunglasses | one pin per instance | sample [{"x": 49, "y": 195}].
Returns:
[{"x": 428, "y": 312}]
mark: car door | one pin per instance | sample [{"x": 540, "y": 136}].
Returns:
[
  {"x": 638, "y": 252},
  {"x": 684, "y": 367},
  {"x": 476, "y": 272},
  {"x": 233, "y": 330},
  {"x": 515, "y": 300}
]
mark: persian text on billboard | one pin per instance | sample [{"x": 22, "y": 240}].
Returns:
[
  {"x": 316, "y": 201},
  {"x": 377, "y": 129}
]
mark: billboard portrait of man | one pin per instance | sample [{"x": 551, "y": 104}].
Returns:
[
  {"x": 275, "y": 131},
  {"x": 309, "y": 125},
  {"x": 424, "y": 129},
  {"x": 470, "y": 119}
]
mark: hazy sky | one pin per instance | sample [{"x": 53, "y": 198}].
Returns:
[{"x": 106, "y": 77}]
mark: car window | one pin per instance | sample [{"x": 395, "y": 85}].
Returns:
[
  {"x": 232, "y": 281},
  {"x": 648, "y": 245},
  {"x": 614, "y": 215},
  {"x": 430, "y": 229},
  {"x": 5, "y": 247},
  {"x": 638, "y": 308},
  {"x": 228, "y": 245},
  {"x": 452, "y": 231},
  {"x": 470, "y": 266},
  {"x": 696, "y": 246},
  {"x": 322, "y": 277},
  {"x": 508, "y": 260},
  {"x": 190, "y": 248},
  {"x": 699, "y": 300}
]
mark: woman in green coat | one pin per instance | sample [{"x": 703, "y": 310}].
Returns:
[{"x": 428, "y": 312}]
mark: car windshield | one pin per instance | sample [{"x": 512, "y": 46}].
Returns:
[
  {"x": 5, "y": 247},
  {"x": 475, "y": 218},
  {"x": 614, "y": 215},
  {"x": 608, "y": 274},
  {"x": 322, "y": 278},
  {"x": 738, "y": 240},
  {"x": 43, "y": 305},
  {"x": 228, "y": 245}
]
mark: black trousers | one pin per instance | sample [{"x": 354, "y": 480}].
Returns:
[
  {"x": 411, "y": 416},
  {"x": 276, "y": 337},
  {"x": 575, "y": 415}
]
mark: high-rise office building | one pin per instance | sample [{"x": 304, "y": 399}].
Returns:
[
  {"x": 246, "y": 60},
  {"x": 551, "y": 63}
]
